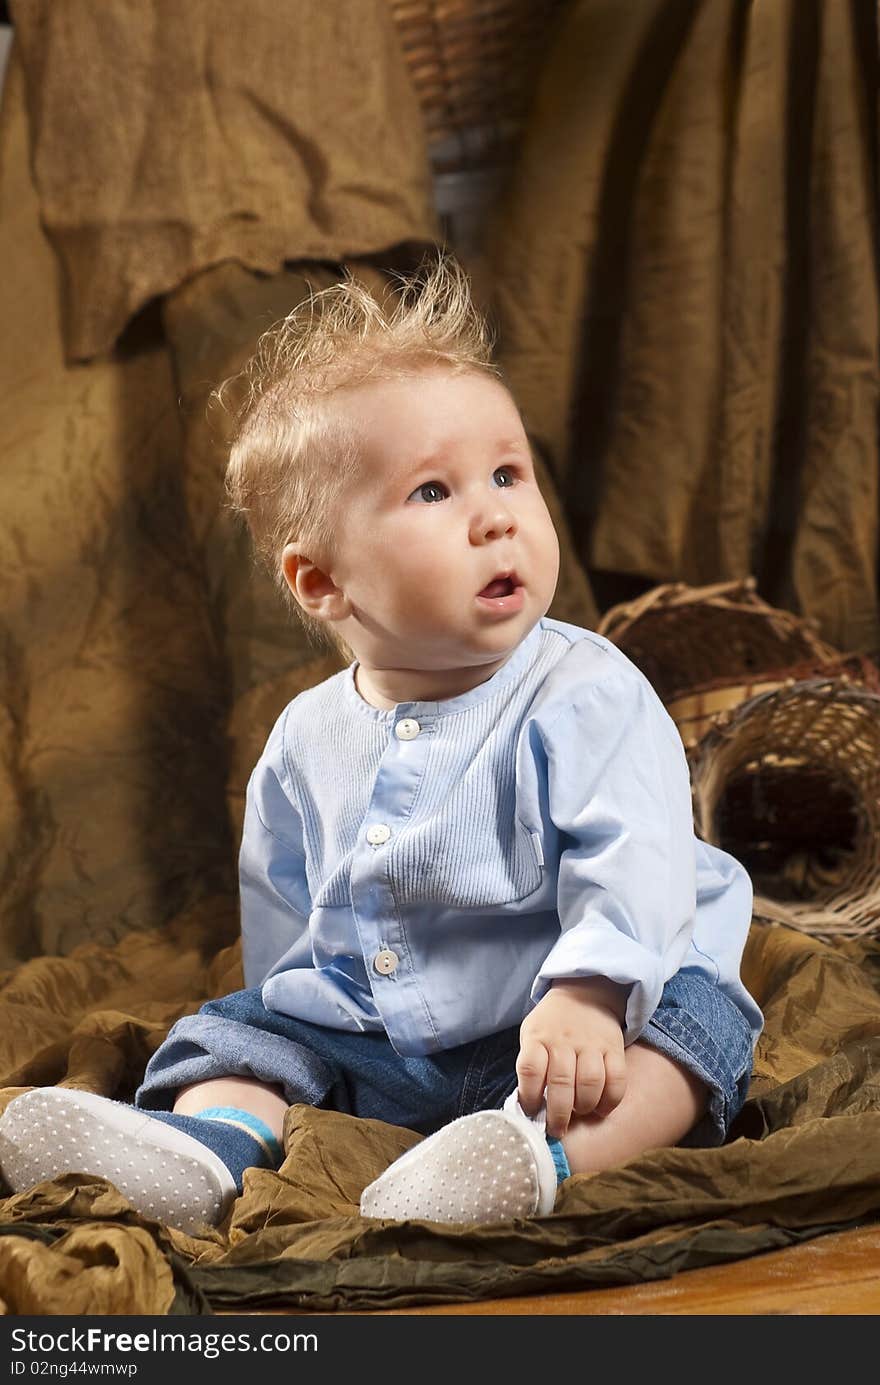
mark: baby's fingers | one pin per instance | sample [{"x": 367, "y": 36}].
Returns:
[
  {"x": 615, "y": 1084},
  {"x": 531, "y": 1075},
  {"x": 589, "y": 1082},
  {"x": 561, "y": 1070}
]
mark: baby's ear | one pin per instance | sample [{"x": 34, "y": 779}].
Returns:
[{"x": 313, "y": 588}]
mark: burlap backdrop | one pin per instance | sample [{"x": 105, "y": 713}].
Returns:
[
  {"x": 687, "y": 274},
  {"x": 150, "y": 228}
]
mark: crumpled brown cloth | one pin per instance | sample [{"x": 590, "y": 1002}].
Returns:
[
  {"x": 803, "y": 1158},
  {"x": 167, "y": 138},
  {"x": 688, "y": 288}
]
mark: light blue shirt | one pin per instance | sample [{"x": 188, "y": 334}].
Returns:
[{"x": 429, "y": 870}]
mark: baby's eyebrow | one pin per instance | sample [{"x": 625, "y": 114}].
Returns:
[{"x": 441, "y": 455}]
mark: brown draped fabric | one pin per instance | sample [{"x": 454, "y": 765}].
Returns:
[
  {"x": 126, "y": 630},
  {"x": 142, "y": 661},
  {"x": 143, "y": 658},
  {"x": 687, "y": 278},
  {"x": 259, "y": 133}
]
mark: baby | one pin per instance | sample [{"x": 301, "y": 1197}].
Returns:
[{"x": 473, "y": 903}]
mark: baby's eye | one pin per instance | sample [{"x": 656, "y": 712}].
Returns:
[
  {"x": 429, "y": 492},
  {"x": 504, "y": 476}
]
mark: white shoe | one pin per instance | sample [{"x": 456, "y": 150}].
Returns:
[
  {"x": 490, "y": 1166},
  {"x": 163, "y": 1172}
]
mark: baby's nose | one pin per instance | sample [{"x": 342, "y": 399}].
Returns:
[{"x": 492, "y": 522}]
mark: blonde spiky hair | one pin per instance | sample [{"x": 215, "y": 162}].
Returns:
[{"x": 290, "y": 458}]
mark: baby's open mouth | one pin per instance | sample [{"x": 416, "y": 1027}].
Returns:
[{"x": 500, "y": 586}]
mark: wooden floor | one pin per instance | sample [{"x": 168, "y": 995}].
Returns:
[{"x": 837, "y": 1274}]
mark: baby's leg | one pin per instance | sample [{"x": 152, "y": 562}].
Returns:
[
  {"x": 663, "y": 1101},
  {"x": 235, "y": 1093},
  {"x": 183, "y": 1167},
  {"x": 494, "y": 1165},
  {"x": 497, "y": 1165}
]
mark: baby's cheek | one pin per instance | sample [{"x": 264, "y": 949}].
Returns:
[{"x": 423, "y": 559}]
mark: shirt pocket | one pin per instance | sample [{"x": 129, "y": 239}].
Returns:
[{"x": 466, "y": 865}]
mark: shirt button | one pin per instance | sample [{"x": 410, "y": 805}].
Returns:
[
  {"x": 407, "y": 729},
  {"x": 378, "y": 834},
  {"x": 386, "y": 961}
]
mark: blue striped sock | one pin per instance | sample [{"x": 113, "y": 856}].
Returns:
[
  {"x": 241, "y": 1140},
  {"x": 251, "y": 1125},
  {"x": 559, "y": 1159}
]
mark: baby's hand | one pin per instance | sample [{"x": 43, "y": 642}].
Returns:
[{"x": 572, "y": 1045}]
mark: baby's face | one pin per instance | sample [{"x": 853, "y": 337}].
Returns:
[{"x": 445, "y": 548}]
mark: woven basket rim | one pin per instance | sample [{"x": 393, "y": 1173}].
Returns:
[
  {"x": 786, "y": 675},
  {"x": 845, "y": 907},
  {"x": 846, "y": 690},
  {"x": 740, "y": 594}
]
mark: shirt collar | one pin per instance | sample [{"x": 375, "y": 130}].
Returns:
[{"x": 521, "y": 659}]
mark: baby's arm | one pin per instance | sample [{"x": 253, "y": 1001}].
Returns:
[
  {"x": 275, "y": 902},
  {"x": 619, "y": 796},
  {"x": 571, "y": 1043}
]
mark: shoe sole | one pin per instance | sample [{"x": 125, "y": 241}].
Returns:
[{"x": 161, "y": 1171}]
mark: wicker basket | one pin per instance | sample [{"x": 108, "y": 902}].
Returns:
[
  {"x": 713, "y": 704},
  {"x": 473, "y": 64},
  {"x": 685, "y": 638},
  {"x": 790, "y": 786}
]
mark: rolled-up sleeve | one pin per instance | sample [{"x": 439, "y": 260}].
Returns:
[
  {"x": 274, "y": 894},
  {"x": 619, "y": 795}
]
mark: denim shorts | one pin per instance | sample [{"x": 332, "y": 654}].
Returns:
[{"x": 361, "y": 1074}]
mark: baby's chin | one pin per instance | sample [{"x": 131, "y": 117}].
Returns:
[{"x": 442, "y": 646}]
